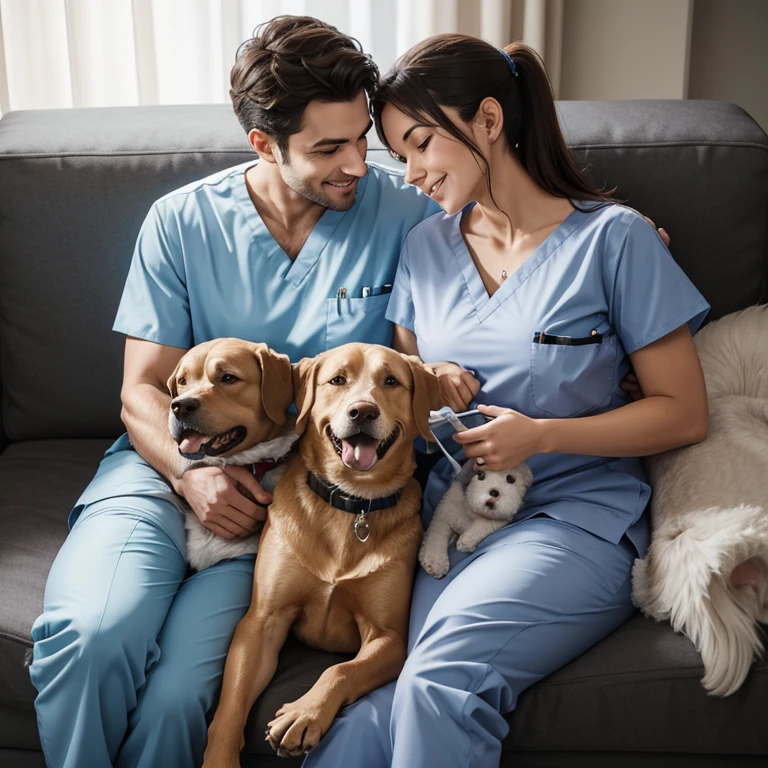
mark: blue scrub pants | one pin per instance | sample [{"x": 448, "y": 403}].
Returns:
[
  {"x": 534, "y": 595},
  {"x": 129, "y": 654}
]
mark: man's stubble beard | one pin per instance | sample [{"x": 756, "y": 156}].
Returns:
[{"x": 298, "y": 185}]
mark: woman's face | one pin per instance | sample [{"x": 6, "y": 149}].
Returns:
[{"x": 439, "y": 165}]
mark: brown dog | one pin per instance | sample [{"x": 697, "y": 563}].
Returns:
[
  {"x": 340, "y": 576},
  {"x": 228, "y": 406}
]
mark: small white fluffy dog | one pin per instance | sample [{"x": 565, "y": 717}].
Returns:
[
  {"x": 706, "y": 570},
  {"x": 475, "y": 505}
]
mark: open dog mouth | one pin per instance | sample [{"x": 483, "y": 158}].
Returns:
[
  {"x": 361, "y": 451},
  {"x": 194, "y": 445}
]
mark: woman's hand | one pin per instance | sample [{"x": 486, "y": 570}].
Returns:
[
  {"x": 632, "y": 387},
  {"x": 458, "y": 386},
  {"x": 510, "y": 439},
  {"x": 662, "y": 232}
]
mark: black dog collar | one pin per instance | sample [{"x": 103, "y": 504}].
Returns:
[{"x": 356, "y": 505}]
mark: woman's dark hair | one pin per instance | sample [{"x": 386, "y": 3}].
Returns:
[
  {"x": 459, "y": 71},
  {"x": 290, "y": 61}
]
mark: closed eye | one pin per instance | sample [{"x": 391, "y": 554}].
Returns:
[{"x": 424, "y": 143}]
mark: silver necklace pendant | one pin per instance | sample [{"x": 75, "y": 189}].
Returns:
[
  {"x": 362, "y": 529},
  {"x": 503, "y": 274}
]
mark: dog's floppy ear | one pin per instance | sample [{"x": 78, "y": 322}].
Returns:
[
  {"x": 276, "y": 382},
  {"x": 304, "y": 380},
  {"x": 171, "y": 383},
  {"x": 426, "y": 395}
]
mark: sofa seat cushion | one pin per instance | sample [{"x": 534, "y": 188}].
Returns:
[
  {"x": 40, "y": 481},
  {"x": 638, "y": 690}
]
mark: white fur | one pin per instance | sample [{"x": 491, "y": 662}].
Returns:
[
  {"x": 463, "y": 512},
  {"x": 709, "y": 511},
  {"x": 204, "y": 547}
]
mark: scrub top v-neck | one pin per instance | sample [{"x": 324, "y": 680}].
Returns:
[
  {"x": 552, "y": 342},
  {"x": 205, "y": 266}
]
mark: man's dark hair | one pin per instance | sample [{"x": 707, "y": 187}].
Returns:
[{"x": 290, "y": 61}]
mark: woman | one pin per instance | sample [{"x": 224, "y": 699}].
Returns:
[{"x": 551, "y": 292}]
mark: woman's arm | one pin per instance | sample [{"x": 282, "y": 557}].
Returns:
[
  {"x": 458, "y": 386},
  {"x": 673, "y": 413}
]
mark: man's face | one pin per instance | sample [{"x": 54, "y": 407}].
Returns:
[{"x": 327, "y": 157}]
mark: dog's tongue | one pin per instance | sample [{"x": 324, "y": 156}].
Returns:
[
  {"x": 359, "y": 452},
  {"x": 191, "y": 442}
]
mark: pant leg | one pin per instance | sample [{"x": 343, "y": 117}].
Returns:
[
  {"x": 169, "y": 726},
  {"x": 106, "y": 598},
  {"x": 540, "y": 593}
]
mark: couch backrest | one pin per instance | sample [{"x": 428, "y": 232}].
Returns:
[{"x": 75, "y": 186}]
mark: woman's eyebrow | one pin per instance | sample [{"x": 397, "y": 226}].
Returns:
[{"x": 413, "y": 128}]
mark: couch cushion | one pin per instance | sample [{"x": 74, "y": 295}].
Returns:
[
  {"x": 40, "y": 482},
  {"x": 73, "y": 199}
]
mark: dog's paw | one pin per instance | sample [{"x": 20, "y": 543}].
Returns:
[
  {"x": 435, "y": 564},
  {"x": 466, "y": 544},
  {"x": 298, "y": 727}
]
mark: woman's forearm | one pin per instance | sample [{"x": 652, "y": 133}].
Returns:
[{"x": 642, "y": 428}]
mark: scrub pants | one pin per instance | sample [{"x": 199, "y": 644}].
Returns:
[
  {"x": 129, "y": 654},
  {"x": 532, "y": 597}
]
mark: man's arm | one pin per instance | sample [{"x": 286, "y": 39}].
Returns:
[
  {"x": 146, "y": 402},
  {"x": 210, "y": 491}
]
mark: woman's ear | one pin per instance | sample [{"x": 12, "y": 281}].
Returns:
[{"x": 489, "y": 118}]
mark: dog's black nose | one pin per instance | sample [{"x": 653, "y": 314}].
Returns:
[
  {"x": 493, "y": 492},
  {"x": 182, "y": 406},
  {"x": 363, "y": 411}
]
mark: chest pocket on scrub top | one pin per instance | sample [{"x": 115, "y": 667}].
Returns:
[
  {"x": 572, "y": 375},
  {"x": 358, "y": 319}
]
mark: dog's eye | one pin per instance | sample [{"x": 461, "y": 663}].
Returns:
[
  {"x": 182, "y": 382},
  {"x": 510, "y": 478},
  {"x": 338, "y": 380},
  {"x": 229, "y": 378},
  {"x": 480, "y": 475},
  {"x": 391, "y": 381}
]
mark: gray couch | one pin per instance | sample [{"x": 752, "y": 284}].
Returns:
[{"x": 74, "y": 188}]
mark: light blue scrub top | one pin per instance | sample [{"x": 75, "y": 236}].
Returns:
[
  {"x": 205, "y": 266},
  {"x": 604, "y": 270}
]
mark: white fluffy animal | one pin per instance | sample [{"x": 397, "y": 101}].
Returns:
[
  {"x": 707, "y": 567},
  {"x": 471, "y": 511}
]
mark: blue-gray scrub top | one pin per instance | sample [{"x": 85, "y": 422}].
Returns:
[
  {"x": 205, "y": 266},
  {"x": 604, "y": 270}
]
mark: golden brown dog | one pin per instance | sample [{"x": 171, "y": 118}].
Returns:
[
  {"x": 341, "y": 579},
  {"x": 229, "y": 399}
]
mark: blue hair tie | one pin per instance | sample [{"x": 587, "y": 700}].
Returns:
[{"x": 509, "y": 61}]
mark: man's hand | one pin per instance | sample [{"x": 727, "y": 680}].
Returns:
[
  {"x": 662, "y": 232},
  {"x": 458, "y": 386},
  {"x": 219, "y": 503}
]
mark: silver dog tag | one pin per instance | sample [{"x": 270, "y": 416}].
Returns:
[{"x": 362, "y": 529}]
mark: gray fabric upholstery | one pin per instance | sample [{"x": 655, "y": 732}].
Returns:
[{"x": 74, "y": 188}]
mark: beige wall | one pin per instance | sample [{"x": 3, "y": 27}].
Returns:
[
  {"x": 729, "y": 54},
  {"x": 625, "y": 49}
]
